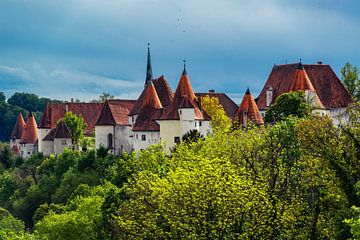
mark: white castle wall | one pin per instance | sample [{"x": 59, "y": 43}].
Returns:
[
  {"x": 42, "y": 132},
  {"x": 61, "y": 143},
  {"x": 152, "y": 137}
]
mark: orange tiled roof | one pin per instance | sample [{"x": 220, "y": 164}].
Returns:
[
  {"x": 115, "y": 111},
  {"x": 18, "y": 128},
  {"x": 328, "y": 87},
  {"x": 163, "y": 91},
  {"x": 55, "y": 111},
  {"x": 150, "y": 110},
  {"x": 30, "y": 133},
  {"x": 249, "y": 107},
  {"x": 183, "y": 93}
]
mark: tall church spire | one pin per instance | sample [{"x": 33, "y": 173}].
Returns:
[{"x": 149, "y": 74}]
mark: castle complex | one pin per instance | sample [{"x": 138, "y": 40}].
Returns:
[{"x": 161, "y": 115}]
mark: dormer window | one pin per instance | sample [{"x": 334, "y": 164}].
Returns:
[{"x": 269, "y": 95}]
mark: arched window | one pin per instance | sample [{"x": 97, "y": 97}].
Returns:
[{"x": 110, "y": 140}]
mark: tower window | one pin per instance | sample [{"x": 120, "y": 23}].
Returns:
[
  {"x": 143, "y": 137},
  {"x": 176, "y": 139}
]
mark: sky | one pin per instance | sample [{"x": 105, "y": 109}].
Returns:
[{"x": 78, "y": 49}]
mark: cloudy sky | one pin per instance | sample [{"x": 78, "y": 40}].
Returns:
[{"x": 81, "y": 48}]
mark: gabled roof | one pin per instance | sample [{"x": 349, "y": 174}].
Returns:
[
  {"x": 62, "y": 131},
  {"x": 115, "y": 112},
  {"x": 50, "y": 136},
  {"x": 230, "y": 107},
  {"x": 150, "y": 110},
  {"x": 30, "y": 133},
  {"x": 249, "y": 107},
  {"x": 163, "y": 91},
  {"x": 18, "y": 128},
  {"x": 55, "y": 111},
  {"x": 184, "y": 96},
  {"x": 327, "y": 85}
]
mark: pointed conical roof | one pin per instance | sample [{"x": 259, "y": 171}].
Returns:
[
  {"x": 184, "y": 87},
  {"x": 149, "y": 74},
  {"x": 301, "y": 80},
  {"x": 45, "y": 121},
  {"x": 30, "y": 133},
  {"x": 62, "y": 131},
  {"x": 249, "y": 107},
  {"x": 163, "y": 91},
  {"x": 183, "y": 90},
  {"x": 149, "y": 111},
  {"x": 18, "y": 128}
]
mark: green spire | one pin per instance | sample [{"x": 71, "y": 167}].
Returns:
[{"x": 149, "y": 74}]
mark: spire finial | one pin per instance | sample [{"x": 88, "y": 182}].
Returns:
[
  {"x": 149, "y": 74},
  {"x": 247, "y": 90},
  {"x": 300, "y": 66},
  {"x": 184, "y": 71}
]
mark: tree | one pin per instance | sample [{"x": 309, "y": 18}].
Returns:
[
  {"x": 288, "y": 104},
  {"x": 219, "y": 120},
  {"x": 192, "y": 136},
  {"x": 76, "y": 125},
  {"x": 9, "y": 224},
  {"x": 2, "y": 98},
  {"x": 350, "y": 79},
  {"x": 105, "y": 96}
]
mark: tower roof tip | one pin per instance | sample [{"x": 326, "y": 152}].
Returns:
[
  {"x": 184, "y": 71},
  {"x": 300, "y": 66},
  {"x": 149, "y": 74},
  {"x": 247, "y": 91}
]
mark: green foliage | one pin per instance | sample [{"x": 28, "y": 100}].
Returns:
[
  {"x": 219, "y": 120},
  {"x": 288, "y": 104},
  {"x": 354, "y": 223},
  {"x": 350, "y": 79},
  {"x": 105, "y": 96},
  {"x": 76, "y": 125},
  {"x": 192, "y": 136},
  {"x": 9, "y": 225}
]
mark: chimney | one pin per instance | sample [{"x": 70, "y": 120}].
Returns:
[
  {"x": 72, "y": 100},
  {"x": 320, "y": 62},
  {"x": 211, "y": 91}
]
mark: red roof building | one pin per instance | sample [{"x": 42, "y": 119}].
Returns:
[
  {"x": 18, "y": 128},
  {"x": 163, "y": 90},
  {"x": 55, "y": 111},
  {"x": 150, "y": 110},
  {"x": 30, "y": 133},
  {"x": 289, "y": 77},
  {"x": 115, "y": 112},
  {"x": 184, "y": 97},
  {"x": 248, "y": 111}
]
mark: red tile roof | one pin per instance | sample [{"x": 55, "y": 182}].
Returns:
[
  {"x": 55, "y": 111},
  {"x": 163, "y": 91},
  {"x": 30, "y": 133},
  {"x": 230, "y": 107},
  {"x": 301, "y": 80},
  {"x": 18, "y": 128},
  {"x": 249, "y": 107},
  {"x": 115, "y": 111},
  {"x": 183, "y": 93},
  {"x": 150, "y": 110},
  {"x": 327, "y": 85},
  {"x": 62, "y": 131}
]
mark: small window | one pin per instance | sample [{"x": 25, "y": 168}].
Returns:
[
  {"x": 180, "y": 112},
  {"x": 143, "y": 137},
  {"x": 176, "y": 139},
  {"x": 200, "y": 123},
  {"x": 28, "y": 153},
  {"x": 63, "y": 141},
  {"x": 195, "y": 124},
  {"x": 110, "y": 140}
]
